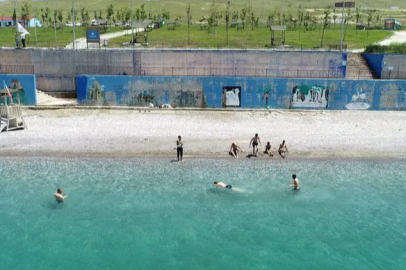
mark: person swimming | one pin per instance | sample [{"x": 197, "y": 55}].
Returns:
[
  {"x": 295, "y": 183},
  {"x": 224, "y": 185},
  {"x": 59, "y": 197}
]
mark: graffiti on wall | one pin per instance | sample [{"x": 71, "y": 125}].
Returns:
[
  {"x": 231, "y": 96},
  {"x": 309, "y": 96},
  {"x": 17, "y": 92},
  {"x": 359, "y": 100},
  {"x": 265, "y": 93},
  {"x": 243, "y": 92}
]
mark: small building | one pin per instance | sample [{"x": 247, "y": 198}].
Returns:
[
  {"x": 7, "y": 21},
  {"x": 392, "y": 24},
  {"x": 34, "y": 22}
]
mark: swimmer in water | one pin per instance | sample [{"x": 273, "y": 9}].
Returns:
[
  {"x": 295, "y": 183},
  {"x": 223, "y": 185},
  {"x": 59, "y": 197}
]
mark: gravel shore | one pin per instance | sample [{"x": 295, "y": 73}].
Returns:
[{"x": 77, "y": 132}]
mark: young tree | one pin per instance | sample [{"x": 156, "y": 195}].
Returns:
[
  {"x": 118, "y": 15},
  {"x": 14, "y": 15},
  {"x": 110, "y": 12},
  {"x": 95, "y": 15},
  {"x": 60, "y": 18},
  {"x": 43, "y": 16},
  {"x": 69, "y": 17},
  {"x": 334, "y": 18},
  {"x": 143, "y": 14},
  {"x": 100, "y": 15},
  {"x": 326, "y": 20},
  {"x": 25, "y": 12}
]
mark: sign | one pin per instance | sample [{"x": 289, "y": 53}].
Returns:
[
  {"x": 346, "y": 4},
  {"x": 92, "y": 35},
  {"x": 390, "y": 67}
]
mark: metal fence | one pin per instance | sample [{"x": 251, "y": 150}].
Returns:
[
  {"x": 208, "y": 71},
  {"x": 16, "y": 69}
]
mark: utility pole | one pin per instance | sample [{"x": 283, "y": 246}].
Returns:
[
  {"x": 188, "y": 24},
  {"x": 131, "y": 18},
  {"x": 227, "y": 20},
  {"x": 16, "y": 23},
  {"x": 35, "y": 23},
  {"x": 342, "y": 27},
  {"x": 54, "y": 19},
  {"x": 74, "y": 22}
]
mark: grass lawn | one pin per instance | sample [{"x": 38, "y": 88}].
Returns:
[
  {"x": 257, "y": 38},
  {"x": 46, "y": 36}
]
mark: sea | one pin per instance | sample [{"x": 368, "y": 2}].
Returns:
[{"x": 138, "y": 213}]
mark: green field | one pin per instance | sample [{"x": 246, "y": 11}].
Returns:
[
  {"x": 200, "y": 8},
  {"x": 256, "y": 38},
  {"x": 46, "y": 36}
]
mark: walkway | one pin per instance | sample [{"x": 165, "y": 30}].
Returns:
[
  {"x": 80, "y": 43},
  {"x": 398, "y": 37}
]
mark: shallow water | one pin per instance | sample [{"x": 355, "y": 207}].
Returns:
[{"x": 156, "y": 214}]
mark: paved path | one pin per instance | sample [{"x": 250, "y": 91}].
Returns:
[
  {"x": 398, "y": 37},
  {"x": 80, "y": 43}
]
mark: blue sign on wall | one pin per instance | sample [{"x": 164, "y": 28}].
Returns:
[
  {"x": 25, "y": 84},
  {"x": 243, "y": 92}
]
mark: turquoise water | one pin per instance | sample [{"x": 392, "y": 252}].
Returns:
[{"x": 156, "y": 214}]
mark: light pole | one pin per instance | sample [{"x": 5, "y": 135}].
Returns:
[
  {"x": 227, "y": 19},
  {"x": 342, "y": 27},
  {"x": 73, "y": 23},
  {"x": 35, "y": 23},
  {"x": 54, "y": 17}
]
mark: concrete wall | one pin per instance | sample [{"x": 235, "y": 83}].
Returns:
[
  {"x": 26, "y": 85},
  {"x": 56, "y": 69},
  {"x": 242, "y": 92}
]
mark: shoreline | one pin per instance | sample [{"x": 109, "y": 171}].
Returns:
[{"x": 75, "y": 132}]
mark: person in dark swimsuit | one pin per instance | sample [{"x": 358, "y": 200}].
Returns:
[
  {"x": 223, "y": 185},
  {"x": 59, "y": 197},
  {"x": 179, "y": 148},
  {"x": 254, "y": 142}
]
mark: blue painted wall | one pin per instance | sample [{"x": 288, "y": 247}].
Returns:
[
  {"x": 375, "y": 62},
  {"x": 26, "y": 84},
  {"x": 238, "y": 92}
]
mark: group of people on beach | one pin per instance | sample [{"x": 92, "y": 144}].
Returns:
[
  {"x": 255, "y": 142},
  {"x": 234, "y": 151}
]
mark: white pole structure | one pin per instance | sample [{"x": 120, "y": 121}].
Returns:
[
  {"x": 342, "y": 27},
  {"x": 131, "y": 25},
  {"x": 54, "y": 19},
  {"x": 74, "y": 22},
  {"x": 16, "y": 22},
  {"x": 35, "y": 23}
]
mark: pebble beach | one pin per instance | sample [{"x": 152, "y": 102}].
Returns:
[{"x": 110, "y": 132}]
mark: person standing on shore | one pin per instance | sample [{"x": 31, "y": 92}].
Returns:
[
  {"x": 283, "y": 149},
  {"x": 254, "y": 142},
  {"x": 295, "y": 183},
  {"x": 179, "y": 148}
]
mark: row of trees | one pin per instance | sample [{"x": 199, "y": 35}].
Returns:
[{"x": 50, "y": 15}]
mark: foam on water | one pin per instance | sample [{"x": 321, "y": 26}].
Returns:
[{"x": 157, "y": 214}]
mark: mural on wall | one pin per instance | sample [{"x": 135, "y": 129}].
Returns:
[
  {"x": 265, "y": 93},
  {"x": 95, "y": 94},
  {"x": 231, "y": 96},
  {"x": 251, "y": 93},
  {"x": 359, "y": 100},
  {"x": 151, "y": 91},
  {"x": 309, "y": 96},
  {"x": 18, "y": 92}
]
